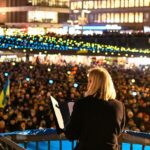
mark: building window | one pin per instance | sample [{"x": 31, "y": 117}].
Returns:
[
  {"x": 117, "y": 3},
  {"x": 64, "y": 3},
  {"x": 99, "y": 4},
  {"x": 122, "y": 3},
  {"x": 33, "y": 2},
  {"x": 52, "y": 3},
  {"x": 108, "y": 18},
  {"x": 126, "y": 18},
  {"x": 79, "y": 5},
  {"x": 42, "y": 16},
  {"x": 85, "y": 5},
  {"x": 76, "y": 5},
  {"x": 141, "y": 3},
  {"x": 112, "y": 17},
  {"x": 104, "y": 18},
  {"x": 29, "y": 1},
  {"x": 138, "y": 17},
  {"x": 103, "y": 3},
  {"x": 131, "y": 3},
  {"x": 136, "y": 3},
  {"x": 108, "y": 3},
  {"x": 117, "y": 17},
  {"x": 90, "y": 4},
  {"x": 131, "y": 20},
  {"x": 95, "y": 4},
  {"x": 72, "y": 6},
  {"x": 112, "y": 3},
  {"x": 126, "y": 3},
  {"x": 146, "y": 2}
]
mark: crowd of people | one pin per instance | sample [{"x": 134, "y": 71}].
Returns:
[
  {"x": 31, "y": 85},
  {"x": 134, "y": 40}
]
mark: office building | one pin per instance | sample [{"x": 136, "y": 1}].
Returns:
[
  {"x": 129, "y": 14},
  {"x": 34, "y": 13}
]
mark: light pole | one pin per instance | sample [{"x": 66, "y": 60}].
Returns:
[
  {"x": 72, "y": 23},
  {"x": 83, "y": 20}
]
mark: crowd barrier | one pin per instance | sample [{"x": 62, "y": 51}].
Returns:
[{"x": 48, "y": 139}]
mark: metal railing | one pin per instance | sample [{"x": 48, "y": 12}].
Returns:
[
  {"x": 133, "y": 139},
  {"x": 7, "y": 144},
  {"x": 47, "y": 139}
]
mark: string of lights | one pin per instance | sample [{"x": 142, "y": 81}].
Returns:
[{"x": 48, "y": 43}]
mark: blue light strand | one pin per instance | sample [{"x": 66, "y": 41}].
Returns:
[{"x": 48, "y": 43}]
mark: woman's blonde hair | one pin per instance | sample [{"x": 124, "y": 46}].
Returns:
[{"x": 100, "y": 84}]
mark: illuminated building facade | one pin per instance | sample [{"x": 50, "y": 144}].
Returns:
[
  {"x": 15, "y": 13},
  {"x": 130, "y": 14}
]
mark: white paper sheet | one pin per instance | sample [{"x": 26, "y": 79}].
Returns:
[{"x": 57, "y": 112}]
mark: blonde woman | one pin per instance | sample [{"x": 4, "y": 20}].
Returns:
[{"x": 97, "y": 119}]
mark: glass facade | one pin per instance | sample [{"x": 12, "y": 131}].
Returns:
[
  {"x": 60, "y": 3},
  {"x": 126, "y": 17},
  {"x": 91, "y": 4},
  {"x": 43, "y": 16},
  {"x": 19, "y": 12},
  {"x": 112, "y": 11},
  {"x": 77, "y": 5}
]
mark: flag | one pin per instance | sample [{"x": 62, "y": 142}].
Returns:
[{"x": 5, "y": 94}]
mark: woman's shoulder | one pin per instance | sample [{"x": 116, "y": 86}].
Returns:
[{"x": 116, "y": 103}]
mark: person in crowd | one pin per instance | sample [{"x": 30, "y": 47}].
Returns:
[
  {"x": 2, "y": 126},
  {"x": 98, "y": 119}
]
